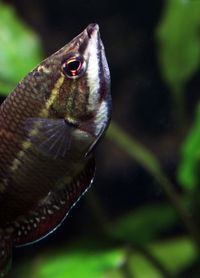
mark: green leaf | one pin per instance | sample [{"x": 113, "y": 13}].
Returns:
[
  {"x": 20, "y": 49},
  {"x": 86, "y": 261},
  {"x": 114, "y": 274},
  {"x": 187, "y": 173},
  {"x": 78, "y": 264},
  {"x": 174, "y": 255},
  {"x": 144, "y": 224},
  {"x": 179, "y": 41},
  {"x": 79, "y": 261},
  {"x": 141, "y": 267}
]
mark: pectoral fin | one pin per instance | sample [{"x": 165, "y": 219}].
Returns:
[{"x": 52, "y": 136}]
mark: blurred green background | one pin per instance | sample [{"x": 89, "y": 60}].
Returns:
[{"x": 140, "y": 219}]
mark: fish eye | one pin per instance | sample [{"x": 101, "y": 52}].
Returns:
[{"x": 74, "y": 67}]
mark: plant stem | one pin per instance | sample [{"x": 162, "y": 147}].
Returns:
[
  {"x": 125, "y": 268},
  {"x": 145, "y": 252},
  {"x": 178, "y": 96},
  {"x": 152, "y": 165}
]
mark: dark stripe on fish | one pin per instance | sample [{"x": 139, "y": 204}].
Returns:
[{"x": 101, "y": 90}]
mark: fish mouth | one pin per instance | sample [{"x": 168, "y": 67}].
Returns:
[
  {"x": 93, "y": 27},
  {"x": 93, "y": 30},
  {"x": 87, "y": 36}
]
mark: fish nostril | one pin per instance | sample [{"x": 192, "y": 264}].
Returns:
[{"x": 91, "y": 28}]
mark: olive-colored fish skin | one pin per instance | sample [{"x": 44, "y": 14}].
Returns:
[{"x": 37, "y": 189}]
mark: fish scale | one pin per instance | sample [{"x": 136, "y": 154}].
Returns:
[{"x": 50, "y": 125}]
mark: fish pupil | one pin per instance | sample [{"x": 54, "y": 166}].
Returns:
[{"x": 73, "y": 67}]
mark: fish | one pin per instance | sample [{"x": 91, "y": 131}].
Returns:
[{"x": 50, "y": 126}]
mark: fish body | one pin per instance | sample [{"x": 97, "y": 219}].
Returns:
[{"x": 50, "y": 125}]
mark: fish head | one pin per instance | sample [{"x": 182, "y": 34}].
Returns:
[
  {"x": 76, "y": 87},
  {"x": 82, "y": 79}
]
